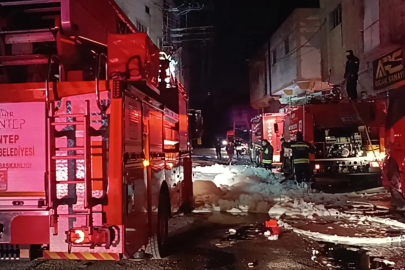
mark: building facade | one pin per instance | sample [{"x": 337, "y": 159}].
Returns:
[
  {"x": 295, "y": 50},
  {"x": 373, "y": 30},
  {"x": 312, "y": 56},
  {"x": 147, "y": 16},
  {"x": 383, "y": 38},
  {"x": 290, "y": 63},
  {"x": 341, "y": 32},
  {"x": 259, "y": 78}
]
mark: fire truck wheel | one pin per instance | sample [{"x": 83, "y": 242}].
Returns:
[{"x": 157, "y": 245}]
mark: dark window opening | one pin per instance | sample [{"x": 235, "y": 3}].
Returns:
[
  {"x": 274, "y": 57},
  {"x": 147, "y": 9},
  {"x": 286, "y": 46},
  {"x": 335, "y": 17}
]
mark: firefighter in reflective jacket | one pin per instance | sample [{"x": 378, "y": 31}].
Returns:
[
  {"x": 300, "y": 155},
  {"x": 267, "y": 154}
]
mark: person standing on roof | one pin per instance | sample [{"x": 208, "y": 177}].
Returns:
[
  {"x": 351, "y": 74},
  {"x": 267, "y": 154},
  {"x": 300, "y": 154}
]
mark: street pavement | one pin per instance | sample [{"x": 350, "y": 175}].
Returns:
[{"x": 202, "y": 241}]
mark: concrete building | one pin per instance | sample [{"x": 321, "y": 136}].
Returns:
[
  {"x": 147, "y": 15},
  {"x": 342, "y": 31},
  {"x": 259, "y": 79},
  {"x": 289, "y": 64},
  {"x": 383, "y": 37},
  {"x": 295, "y": 50},
  {"x": 373, "y": 29},
  {"x": 308, "y": 51}
]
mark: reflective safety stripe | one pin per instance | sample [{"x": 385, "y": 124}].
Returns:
[
  {"x": 299, "y": 145},
  {"x": 80, "y": 256},
  {"x": 301, "y": 161},
  {"x": 267, "y": 151},
  {"x": 266, "y": 161}
]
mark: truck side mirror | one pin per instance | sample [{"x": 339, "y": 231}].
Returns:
[{"x": 275, "y": 128}]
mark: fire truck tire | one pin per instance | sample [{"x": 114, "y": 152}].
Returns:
[{"x": 157, "y": 245}]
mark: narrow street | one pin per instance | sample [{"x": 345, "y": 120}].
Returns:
[
  {"x": 111, "y": 112},
  {"x": 231, "y": 240},
  {"x": 202, "y": 241}
]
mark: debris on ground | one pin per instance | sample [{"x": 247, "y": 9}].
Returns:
[{"x": 252, "y": 264}]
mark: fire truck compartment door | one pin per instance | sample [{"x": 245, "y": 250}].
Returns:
[
  {"x": 341, "y": 115},
  {"x": 22, "y": 147}
]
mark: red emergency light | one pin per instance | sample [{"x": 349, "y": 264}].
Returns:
[{"x": 82, "y": 236}]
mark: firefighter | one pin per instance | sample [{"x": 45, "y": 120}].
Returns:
[
  {"x": 351, "y": 74},
  {"x": 267, "y": 154},
  {"x": 218, "y": 146},
  {"x": 230, "y": 150},
  {"x": 285, "y": 156},
  {"x": 300, "y": 154},
  {"x": 238, "y": 148}
]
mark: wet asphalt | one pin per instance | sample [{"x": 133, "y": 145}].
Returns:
[{"x": 202, "y": 241}]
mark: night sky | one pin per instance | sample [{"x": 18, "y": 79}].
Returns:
[{"x": 241, "y": 28}]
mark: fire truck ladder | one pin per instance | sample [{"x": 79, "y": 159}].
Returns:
[{"x": 53, "y": 157}]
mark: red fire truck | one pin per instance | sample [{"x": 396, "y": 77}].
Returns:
[
  {"x": 393, "y": 177},
  {"x": 348, "y": 137},
  {"x": 94, "y": 150},
  {"x": 267, "y": 126}
]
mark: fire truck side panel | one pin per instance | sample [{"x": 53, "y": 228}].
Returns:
[
  {"x": 269, "y": 133},
  {"x": 153, "y": 125},
  {"x": 22, "y": 167},
  {"x": 341, "y": 117},
  {"x": 394, "y": 166},
  {"x": 299, "y": 124},
  {"x": 135, "y": 187},
  {"x": 183, "y": 124},
  {"x": 115, "y": 172}
]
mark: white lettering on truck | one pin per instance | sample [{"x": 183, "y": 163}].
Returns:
[{"x": 22, "y": 146}]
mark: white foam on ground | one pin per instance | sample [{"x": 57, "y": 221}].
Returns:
[
  {"x": 250, "y": 189},
  {"x": 240, "y": 189}
]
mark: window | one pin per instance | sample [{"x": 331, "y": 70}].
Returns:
[
  {"x": 142, "y": 28},
  {"x": 274, "y": 56},
  {"x": 286, "y": 46},
  {"x": 335, "y": 17},
  {"x": 122, "y": 27},
  {"x": 147, "y": 9}
]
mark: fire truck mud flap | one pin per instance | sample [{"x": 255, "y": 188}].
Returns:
[
  {"x": 13, "y": 224},
  {"x": 8, "y": 228},
  {"x": 21, "y": 233}
]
